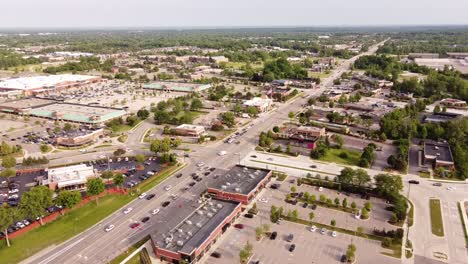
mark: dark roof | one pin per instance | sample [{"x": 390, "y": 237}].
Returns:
[
  {"x": 197, "y": 227},
  {"x": 438, "y": 150},
  {"x": 239, "y": 179}
]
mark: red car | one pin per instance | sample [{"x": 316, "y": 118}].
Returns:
[
  {"x": 134, "y": 225},
  {"x": 239, "y": 226}
]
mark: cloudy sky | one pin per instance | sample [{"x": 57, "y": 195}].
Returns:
[{"x": 230, "y": 13}]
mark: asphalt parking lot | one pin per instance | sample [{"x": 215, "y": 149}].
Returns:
[{"x": 311, "y": 247}]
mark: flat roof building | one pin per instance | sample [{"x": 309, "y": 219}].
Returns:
[
  {"x": 239, "y": 184},
  {"x": 40, "y": 84},
  {"x": 438, "y": 154},
  {"x": 193, "y": 237},
  {"x": 78, "y": 137},
  {"x": 69, "y": 178},
  {"x": 423, "y": 55},
  {"x": 262, "y": 104},
  {"x": 453, "y": 102},
  {"x": 189, "y": 130},
  {"x": 176, "y": 87}
]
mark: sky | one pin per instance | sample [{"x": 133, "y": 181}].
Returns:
[{"x": 229, "y": 13}]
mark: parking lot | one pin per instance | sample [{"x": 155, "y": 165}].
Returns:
[{"x": 311, "y": 247}]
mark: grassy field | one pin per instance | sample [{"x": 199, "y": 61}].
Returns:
[
  {"x": 437, "y": 225},
  {"x": 333, "y": 155},
  {"x": 462, "y": 211},
  {"x": 65, "y": 227},
  {"x": 238, "y": 65},
  {"x": 424, "y": 174},
  {"x": 72, "y": 223}
]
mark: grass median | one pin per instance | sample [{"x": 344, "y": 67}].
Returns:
[
  {"x": 72, "y": 223},
  {"x": 437, "y": 226}
]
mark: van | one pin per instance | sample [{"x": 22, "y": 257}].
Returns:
[{"x": 290, "y": 238}]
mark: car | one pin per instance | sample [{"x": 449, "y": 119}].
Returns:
[
  {"x": 165, "y": 204},
  {"x": 413, "y": 182},
  {"x": 450, "y": 188},
  {"x": 320, "y": 189},
  {"x": 275, "y": 186},
  {"x": 198, "y": 179},
  {"x": 334, "y": 234},
  {"x": 155, "y": 211},
  {"x": 292, "y": 247},
  {"x": 437, "y": 184},
  {"x": 279, "y": 221},
  {"x": 128, "y": 210},
  {"x": 222, "y": 153},
  {"x": 313, "y": 166},
  {"x": 312, "y": 228},
  {"x": 109, "y": 228},
  {"x": 253, "y": 156},
  {"x": 145, "y": 219},
  {"x": 142, "y": 195},
  {"x": 212, "y": 169},
  {"x": 305, "y": 205},
  {"x": 200, "y": 164},
  {"x": 13, "y": 191},
  {"x": 264, "y": 200},
  {"x": 270, "y": 159},
  {"x": 134, "y": 225},
  {"x": 192, "y": 184},
  {"x": 290, "y": 238},
  {"x": 150, "y": 196},
  {"x": 313, "y": 206},
  {"x": 248, "y": 215},
  {"x": 344, "y": 258},
  {"x": 26, "y": 222},
  {"x": 323, "y": 231},
  {"x": 178, "y": 175},
  {"x": 273, "y": 235},
  {"x": 20, "y": 225},
  {"x": 216, "y": 254},
  {"x": 239, "y": 226}
]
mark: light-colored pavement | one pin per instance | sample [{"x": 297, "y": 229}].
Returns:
[{"x": 94, "y": 246}]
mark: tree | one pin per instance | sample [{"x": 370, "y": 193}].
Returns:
[
  {"x": 368, "y": 206},
  {"x": 34, "y": 201},
  {"x": 293, "y": 189},
  {"x": 312, "y": 198},
  {"x": 68, "y": 199},
  {"x": 333, "y": 222},
  {"x": 8, "y": 162},
  {"x": 94, "y": 187},
  {"x": 259, "y": 232},
  {"x": 388, "y": 185},
  {"x": 67, "y": 127},
  {"x": 361, "y": 178},
  {"x": 338, "y": 140},
  {"x": 143, "y": 114},
  {"x": 351, "y": 253},
  {"x": 140, "y": 158},
  {"x": 322, "y": 198},
  {"x": 228, "y": 119},
  {"x": 295, "y": 214},
  {"x": 329, "y": 202},
  {"x": 276, "y": 129},
  {"x": 119, "y": 179},
  {"x": 311, "y": 216},
  {"x": 6, "y": 219},
  {"x": 344, "y": 203},
  {"x": 353, "y": 205},
  {"x": 364, "y": 213},
  {"x": 161, "y": 117},
  {"x": 107, "y": 174},
  {"x": 337, "y": 202},
  {"x": 196, "y": 104},
  {"x": 291, "y": 115}
]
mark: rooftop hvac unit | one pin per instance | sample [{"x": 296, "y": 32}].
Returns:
[
  {"x": 180, "y": 243},
  {"x": 209, "y": 215},
  {"x": 200, "y": 212},
  {"x": 437, "y": 154},
  {"x": 223, "y": 187},
  {"x": 180, "y": 230},
  {"x": 189, "y": 233},
  {"x": 219, "y": 206},
  {"x": 228, "y": 183},
  {"x": 237, "y": 189},
  {"x": 214, "y": 210},
  {"x": 188, "y": 222},
  {"x": 205, "y": 208},
  {"x": 238, "y": 174},
  {"x": 199, "y": 224},
  {"x": 210, "y": 203}
]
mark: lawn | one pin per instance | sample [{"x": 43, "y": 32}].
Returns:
[
  {"x": 238, "y": 65},
  {"x": 72, "y": 223},
  {"x": 333, "y": 155},
  {"x": 62, "y": 229},
  {"x": 437, "y": 225}
]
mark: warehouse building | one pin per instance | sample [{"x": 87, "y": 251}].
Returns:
[{"x": 43, "y": 84}]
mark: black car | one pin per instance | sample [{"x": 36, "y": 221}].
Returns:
[
  {"x": 165, "y": 204},
  {"x": 305, "y": 205},
  {"x": 275, "y": 186},
  {"x": 193, "y": 174},
  {"x": 292, "y": 247},
  {"x": 179, "y": 175},
  {"x": 344, "y": 258},
  {"x": 212, "y": 169},
  {"x": 314, "y": 206},
  {"x": 192, "y": 184},
  {"x": 273, "y": 235},
  {"x": 216, "y": 254},
  {"x": 249, "y": 215},
  {"x": 207, "y": 173},
  {"x": 253, "y": 156},
  {"x": 145, "y": 219},
  {"x": 150, "y": 196},
  {"x": 413, "y": 182},
  {"x": 198, "y": 179}
]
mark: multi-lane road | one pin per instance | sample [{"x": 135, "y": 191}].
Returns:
[{"x": 97, "y": 246}]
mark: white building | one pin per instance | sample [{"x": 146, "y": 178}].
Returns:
[
  {"x": 189, "y": 130},
  {"x": 262, "y": 104},
  {"x": 70, "y": 177}
]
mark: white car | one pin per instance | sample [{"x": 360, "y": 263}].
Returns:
[
  {"x": 155, "y": 211},
  {"x": 200, "y": 164},
  {"x": 334, "y": 234},
  {"x": 320, "y": 189},
  {"x": 323, "y": 231},
  {"x": 109, "y": 228},
  {"x": 450, "y": 188},
  {"x": 312, "y": 228},
  {"x": 264, "y": 200},
  {"x": 26, "y": 222},
  {"x": 13, "y": 196},
  {"x": 142, "y": 195},
  {"x": 222, "y": 153},
  {"x": 128, "y": 210},
  {"x": 13, "y": 191},
  {"x": 167, "y": 188},
  {"x": 20, "y": 225}
]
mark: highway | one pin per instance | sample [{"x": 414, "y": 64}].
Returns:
[{"x": 97, "y": 246}]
